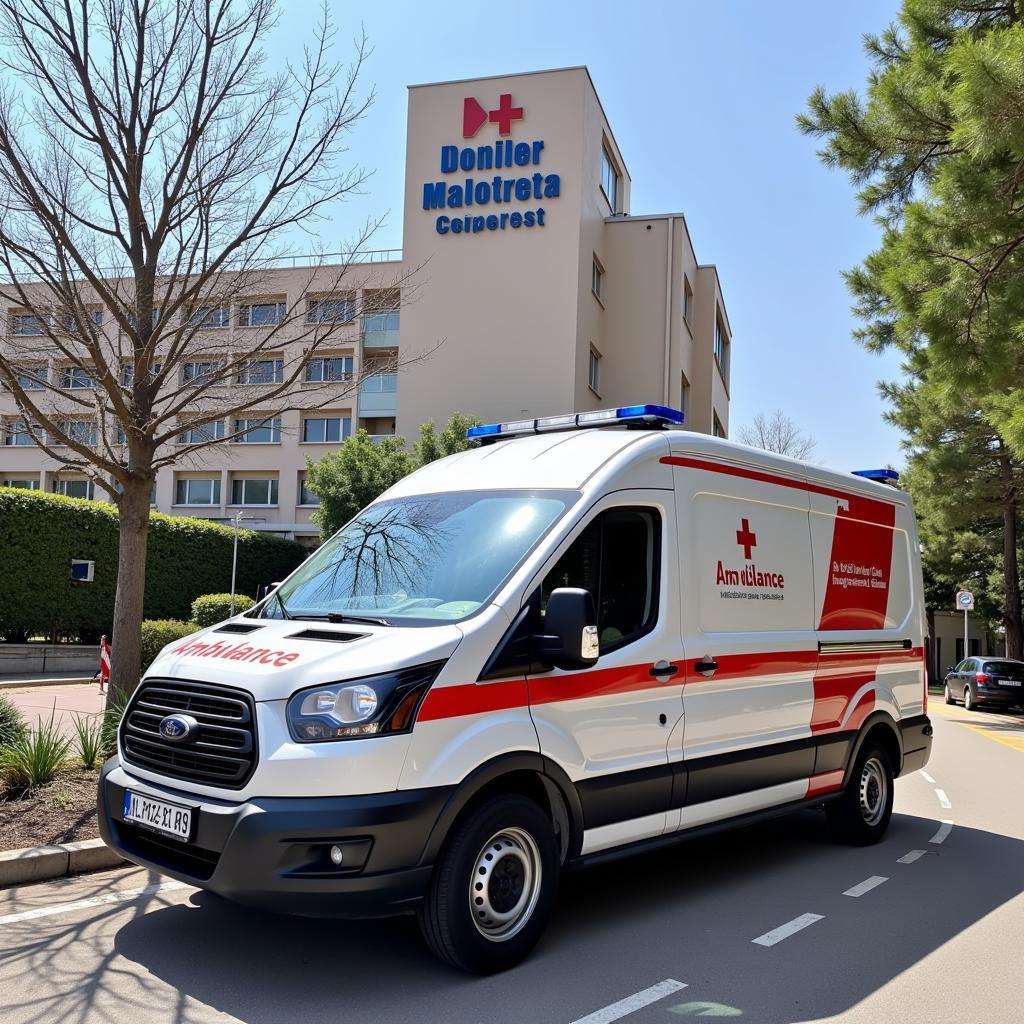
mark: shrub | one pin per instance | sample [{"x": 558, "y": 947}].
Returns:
[
  {"x": 34, "y": 758},
  {"x": 12, "y": 725},
  {"x": 158, "y": 633},
  {"x": 88, "y": 735},
  {"x": 112, "y": 715},
  {"x": 41, "y": 533},
  {"x": 210, "y": 609}
]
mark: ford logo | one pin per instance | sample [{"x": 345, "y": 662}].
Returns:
[{"x": 178, "y": 728}]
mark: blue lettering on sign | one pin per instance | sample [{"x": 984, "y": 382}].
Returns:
[
  {"x": 470, "y": 225},
  {"x": 485, "y": 190}
]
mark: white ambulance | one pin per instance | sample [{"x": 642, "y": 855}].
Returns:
[{"x": 590, "y": 634}]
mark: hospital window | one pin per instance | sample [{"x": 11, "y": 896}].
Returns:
[
  {"x": 609, "y": 179},
  {"x": 594, "y": 371}
]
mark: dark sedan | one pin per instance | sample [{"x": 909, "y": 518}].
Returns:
[{"x": 992, "y": 682}]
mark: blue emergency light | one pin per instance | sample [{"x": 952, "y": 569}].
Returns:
[
  {"x": 883, "y": 476},
  {"x": 652, "y": 416}
]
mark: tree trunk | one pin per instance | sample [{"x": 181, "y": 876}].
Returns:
[
  {"x": 1011, "y": 568},
  {"x": 126, "y": 641}
]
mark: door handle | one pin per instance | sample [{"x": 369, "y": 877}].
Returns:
[
  {"x": 663, "y": 668},
  {"x": 706, "y": 666}
]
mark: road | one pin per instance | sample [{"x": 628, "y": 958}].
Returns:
[{"x": 889, "y": 933}]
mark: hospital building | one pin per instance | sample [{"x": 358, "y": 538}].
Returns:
[{"x": 526, "y": 286}]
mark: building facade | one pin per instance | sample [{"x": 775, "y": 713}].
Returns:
[
  {"x": 526, "y": 287},
  {"x": 946, "y": 644}
]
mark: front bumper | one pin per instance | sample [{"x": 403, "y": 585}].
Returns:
[
  {"x": 274, "y": 852},
  {"x": 916, "y": 740}
]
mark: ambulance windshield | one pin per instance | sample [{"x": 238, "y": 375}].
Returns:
[{"x": 422, "y": 560}]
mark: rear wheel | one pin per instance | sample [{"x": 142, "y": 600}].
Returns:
[
  {"x": 968, "y": 699},
  {"x": 492, "y": 889},
  {"x": 861, "y": 815},
  {"x": 949, "y": 695}
]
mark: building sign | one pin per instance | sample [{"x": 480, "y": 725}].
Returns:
[{"x": 492, "y": 187}]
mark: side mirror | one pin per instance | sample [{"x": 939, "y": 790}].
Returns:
[{"x": 570, "y": 627}]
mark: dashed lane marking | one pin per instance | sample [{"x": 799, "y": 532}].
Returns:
[
  {"x": 943, "y": 799},
  {"x": 866, "y": 886},
  {"x": 121, "y": 896},
  {"x": 798, "y": 924},
  {"x": 944, "y": 829},
  {"x": 927, "y": 778},
  {"x": 637, "y": 1001},
  {"x": 909, "y": 858}
]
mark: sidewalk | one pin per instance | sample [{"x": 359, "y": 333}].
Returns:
[
  {"x": 64, "y": 701},
  {"x": 20, "y": 682}
]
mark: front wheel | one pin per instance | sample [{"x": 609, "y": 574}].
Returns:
[
  {"x": 492, "y": 889},
  {"x": 861, "y": 815}
]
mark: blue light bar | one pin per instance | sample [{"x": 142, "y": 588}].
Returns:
[
  {"x": 651, "y": 416},
  {"x": 883, "y": 476}
]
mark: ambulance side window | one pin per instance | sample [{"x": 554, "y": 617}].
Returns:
[{"x": 617, "y": 558}]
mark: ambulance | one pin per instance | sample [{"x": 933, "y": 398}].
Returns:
[{"x": 587, "y": 636}]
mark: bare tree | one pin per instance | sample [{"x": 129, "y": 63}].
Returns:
[
  {"x": 777, "y": 433},
  {"x": 151, "y": 168}
]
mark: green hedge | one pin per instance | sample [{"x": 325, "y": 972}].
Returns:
[
  {"x": 41, "y": 533},
  {"x": 158, "y": 633},
  {"x": 209, "y": 609}
]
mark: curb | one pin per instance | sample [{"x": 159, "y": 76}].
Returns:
[
  {"x": 29, "y": 684},
  {"x": 38, "y": 863}
]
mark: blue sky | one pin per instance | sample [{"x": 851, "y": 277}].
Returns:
[{"x": 702, "y": 98}]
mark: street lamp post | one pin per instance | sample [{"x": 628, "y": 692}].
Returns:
[{"x": 234, "y": 562}]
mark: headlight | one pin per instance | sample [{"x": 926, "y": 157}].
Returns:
[{"x": 360, "y": 707}]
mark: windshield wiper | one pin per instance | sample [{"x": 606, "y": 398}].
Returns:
[
  {"x": 339, "y": 618},
  {"x": 285, "y": 614}
]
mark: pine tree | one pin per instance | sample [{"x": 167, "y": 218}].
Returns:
[{"x": 936, "y": 151}]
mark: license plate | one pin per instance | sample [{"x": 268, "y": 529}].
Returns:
[
  {"x": 167, "y": 819},
  {"x": 1008, "y": 682}
]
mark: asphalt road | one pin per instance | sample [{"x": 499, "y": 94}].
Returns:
[{"x": 658, "y": 938}]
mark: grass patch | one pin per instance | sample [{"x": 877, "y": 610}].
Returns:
[{"x": 34, "y": 758}]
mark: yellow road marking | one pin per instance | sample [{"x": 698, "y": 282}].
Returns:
[{"x": 1013, "y": 741}]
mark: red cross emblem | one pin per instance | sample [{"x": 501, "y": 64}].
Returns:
[
  {"x": 474, "y": 115},
  {"x": 746, "y": 539}
]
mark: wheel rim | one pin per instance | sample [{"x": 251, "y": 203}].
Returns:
[
  {"x": 874, "y": 791},
  {"x": 505, "y": 885}
]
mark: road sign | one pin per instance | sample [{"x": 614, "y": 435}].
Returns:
[{"x": 965, "y": 601}]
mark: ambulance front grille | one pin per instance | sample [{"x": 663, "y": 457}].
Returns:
[{"x": 223, "y": 751}]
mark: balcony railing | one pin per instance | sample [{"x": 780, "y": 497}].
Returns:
[
  {"x": 378, "y": 395},
  {"x": 380, "y": 330}
]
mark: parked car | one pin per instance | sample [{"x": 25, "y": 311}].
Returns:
[{"x": 994, "y": 682}]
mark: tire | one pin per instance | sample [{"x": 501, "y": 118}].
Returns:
[
  {"x": 968, "y": 700},
  {"x": 493, "y": 887},
  {"x": 949, "y": 695},
  {"x": 861, "y": 815}
]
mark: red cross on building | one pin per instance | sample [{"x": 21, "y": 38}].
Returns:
[
  {"x": 746, "y": 540},
  {"x": 505, "y": 114}
]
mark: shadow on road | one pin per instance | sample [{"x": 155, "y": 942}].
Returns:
[{"x": 688, "y": 912}]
